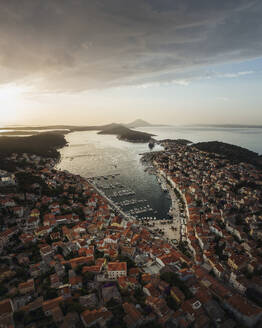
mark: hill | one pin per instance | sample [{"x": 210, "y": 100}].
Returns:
[
  {"x": 137, "y": 124},
  {"x": 42, "y": 144},
  {"x": 120, "y": 130},
  {"x": 126, "y": 134},
  {"x": 233, "y": 153}
]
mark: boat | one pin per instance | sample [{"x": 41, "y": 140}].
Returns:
[{"x": 151, "y": 144}]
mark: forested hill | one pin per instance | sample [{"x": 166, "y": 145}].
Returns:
[
  {"x": 43, "y": 144},
  {"x": 234, "y": 153},
  {"x": 123, "y": 133}
]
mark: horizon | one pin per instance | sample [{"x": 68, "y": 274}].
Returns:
[
  {"x": 98, "y": 62},
  {"x": 151, "y": 124}
]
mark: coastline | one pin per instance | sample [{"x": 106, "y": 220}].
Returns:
[
  {"x": 94, "y": 225},
  {"x": 172, "y": 229}
]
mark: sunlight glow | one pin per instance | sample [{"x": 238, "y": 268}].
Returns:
[{"x": 11, "y": 96}]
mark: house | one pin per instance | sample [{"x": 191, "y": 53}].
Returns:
[
  {"x": 6, "y": 312},
  {"x": 110, "y": 292},
  {"x": 32, "y": 306},
  {"x": 151, "y": 290},
  {"x": 243, "y": 311},
  {"x": 35, "y": 270},
  {"x": 158, "y": 305},
  {"x": 18, "y": 211},
  {"x": 116, "y": 269},
  {"x": 6, "y": 178},
  {"x": 46, "y": 251},
  {"x": 27, "y": 287},
  {"x": 57, "y": 314},
  {"x": 128, "y": 251},
  {"x": 214, "y": 311},
  {"x": 32, "y": 222},
  {"x": 100, "y": 316},
  {"x": 5, "y": 273},
  {"x": 50, "y": 305},
  {"x": 177, "y": 294},
  {"x": 127, "y": 282},
  {"x": 133, "y": 317},
  {"x": 54, "y": 280},
  {"x": 35, "y": 213},
  {"x": 76, "y": 282},
  {"x": 89, "y": 301},
  {"x": 237, "y": 262}
]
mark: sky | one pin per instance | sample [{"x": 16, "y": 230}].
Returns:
[{"x": 100, "y": 61}]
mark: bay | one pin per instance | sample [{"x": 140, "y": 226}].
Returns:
[{"x": 90, "y": 154}]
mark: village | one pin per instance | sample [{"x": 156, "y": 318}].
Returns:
[{"x": 71, "y": 259}]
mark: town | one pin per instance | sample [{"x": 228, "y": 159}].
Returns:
[{"x": 71, "y": 259}]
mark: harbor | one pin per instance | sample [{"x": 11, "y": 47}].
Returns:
[
  {"x": 126, "y": 202},
  {"x": 124, "y": 199},
  {"x": 115, "y": 170}
]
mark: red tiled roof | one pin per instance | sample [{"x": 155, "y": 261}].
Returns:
[{"x": 117, "y": 266}]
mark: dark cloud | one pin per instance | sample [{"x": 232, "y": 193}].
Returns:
[{"x": 73, "y": 45}]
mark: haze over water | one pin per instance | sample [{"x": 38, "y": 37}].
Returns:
[{"x": 250, "y": 138}]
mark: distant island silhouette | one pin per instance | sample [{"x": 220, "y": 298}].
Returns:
[{"x": 122, "y": 131}]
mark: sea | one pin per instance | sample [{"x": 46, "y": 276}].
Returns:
[{"x": 94, "y": 155}]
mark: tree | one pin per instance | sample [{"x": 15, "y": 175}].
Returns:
[
  {"x": 88, "y": 276},
  {"x": 19, "y": 316},
  {"x": 171, "y": 303},
  {"x": 50, "y": 293},
  {"x": 173, "y": 279},
  {"x": 98, "y": 254},
  {"x": 3, "y": 290}
]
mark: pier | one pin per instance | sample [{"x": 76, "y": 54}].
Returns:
[
  {"x": 113, "y": 204},
  {"x": 105, "y": 177}
]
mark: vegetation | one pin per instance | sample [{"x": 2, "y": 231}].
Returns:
[
  {"x": 124, "y": 133},
  {"x": 173, "y": 279},
  {"x": 233, "y": 153},
  {"x": 176, "y": 142},
  {"x": 43, "y": 144}
]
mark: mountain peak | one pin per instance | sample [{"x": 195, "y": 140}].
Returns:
[{"x": 138, "y": 123}]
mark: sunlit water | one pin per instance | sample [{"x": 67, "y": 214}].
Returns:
[
  {"x": 90, "y": 154},
  {"x": 250, "y": 138}
]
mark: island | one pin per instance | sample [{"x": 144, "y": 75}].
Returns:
[
  {"x": 45, "y": 145},
  {"x": 126, "y": 134},
  {"x": 120, "y": 130}
]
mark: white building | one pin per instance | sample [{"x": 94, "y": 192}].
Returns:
[{"x": 116, "y": 269}]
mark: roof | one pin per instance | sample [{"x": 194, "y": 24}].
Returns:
[
  {"x": 91, "y": 316},
  {"x": 51, "y": 304},
  {"x": 28, "y": 284},
  {"x": 178, "y": 292},
  {"x": 6, "y": 307},
  {"x": 241, "y": 305},
  {"x": 133, "y": 315},
  {"x": 117, "y": 266}
]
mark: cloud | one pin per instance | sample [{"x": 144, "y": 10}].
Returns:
[
  {"x": 235, "y": 75},
  {"x": 76, "y": 45}
]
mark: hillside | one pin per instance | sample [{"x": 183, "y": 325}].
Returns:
[
  {"x": 43, "y": 144},
  {"x": 123, "y": 133},
  {"x": 234, "y": 153},
  {"x": 137, "y": 124}
]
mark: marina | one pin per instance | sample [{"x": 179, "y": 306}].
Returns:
[
  {"x": 126, "y": 202},
  {"x": 121, "y": 198},
  {"x": 116, "y": 171}
]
